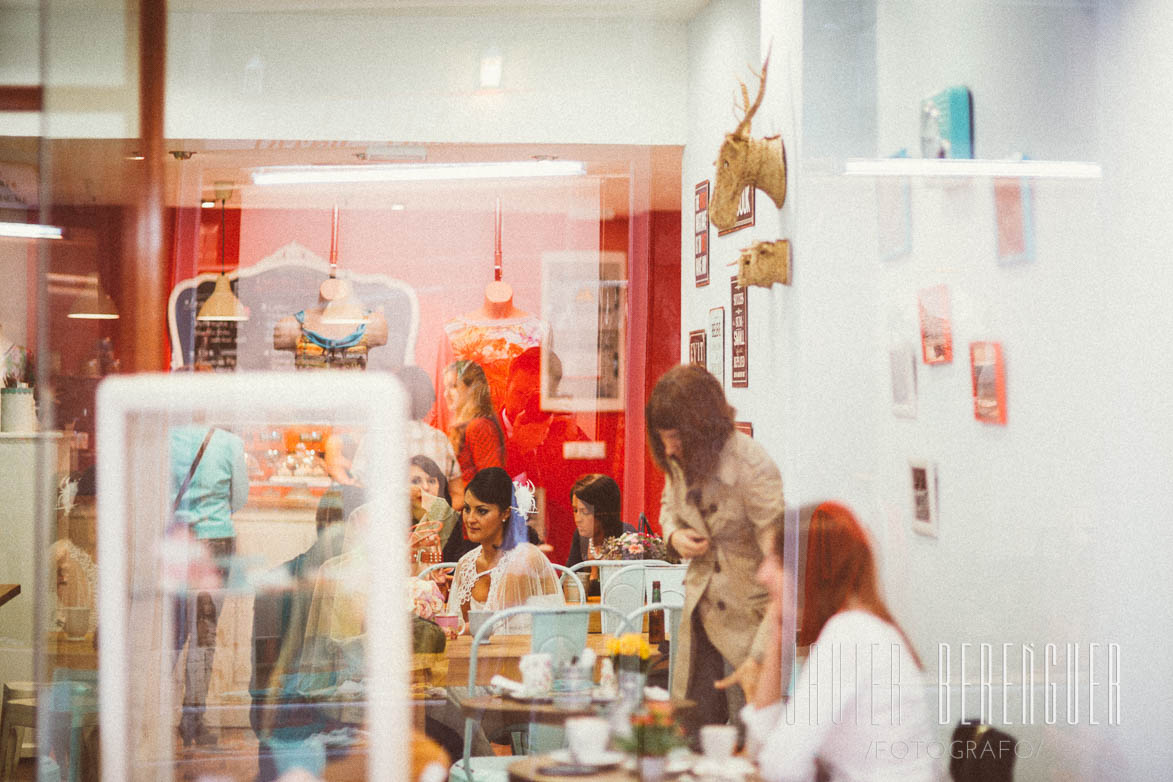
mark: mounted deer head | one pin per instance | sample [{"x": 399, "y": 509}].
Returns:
[
  {"x": 764, "y": 264},
  {"x": 747, "y": 162}
]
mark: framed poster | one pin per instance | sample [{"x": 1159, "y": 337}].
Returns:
[
  {"x": 902, "y": 365},
  {"x": 696, "y": 347},
  {"x": 924, "y": 496},
  {"x": 946, "y": 124},
  {"x": 584, "y": 301},
  {"x": 1014, "y": 220},
  {"x": 739, "y": 365},
  {"x": 893, "y": 215},
  {"x": 744, "y": 426},
  {"x": 936, "y": 328},
  {"x": 989, "y": 382},
  {"x": 716, "y": 347},
  {"x": 745, "y": 210},
  {"x": 700, "y": 207}
]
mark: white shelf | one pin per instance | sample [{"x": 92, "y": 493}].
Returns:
[{"x": 962, "y": 168}]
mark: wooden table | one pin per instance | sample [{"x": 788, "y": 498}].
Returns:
[
  {"x": 8, "y": 591},
  {"x": 501, "y": 655},
  {"x": 78, "y": 655},
  {"x": 512, "y": 710}
]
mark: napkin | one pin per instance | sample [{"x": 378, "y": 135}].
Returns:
[
  {"x": 656, "y": 694},
  {"x": 506, "y": 686}
]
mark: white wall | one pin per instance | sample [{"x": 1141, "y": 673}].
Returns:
[
  {"x": 358, "y": 76},
  {"x": 1054, "y": 528}
]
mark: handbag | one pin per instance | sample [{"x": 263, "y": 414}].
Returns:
[{"x": 191, "y": 472}]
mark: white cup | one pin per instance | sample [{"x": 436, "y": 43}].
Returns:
[
  {"x": 537, "y": 673},
  {"x": 475, "y": 620},
  {"x": 718, "y": 741},
  {"x": 77, "y": 622},
  {"x": 587, "y": 737}
]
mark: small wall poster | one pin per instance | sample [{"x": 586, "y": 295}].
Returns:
[
  {"x": 936, "y": 328},
  {"x": 740, "y": 362},
  {"x": 696, "y": 348},
  {"x": 989, "y": 382},
  {"x": 716, "y": 346},
  {"x": 744, "y": 426},
  {"x": 701, "y": 233},
  {"x": 902, "y": 364},
  {"x": 924, "y": 496},
  {"x": 745, "y": 210},
  {"x": 1013, "y": 219}
]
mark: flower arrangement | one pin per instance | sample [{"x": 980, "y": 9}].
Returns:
[
  {"x": 635, "y": 545},
  {"x": 630, "y": 652},
  {"x": 653, "y": 732},
  {"x": 426, "y": 599}
]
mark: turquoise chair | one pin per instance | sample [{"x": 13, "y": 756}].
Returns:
[
  {"x": 73, "y": 699},
  {"x": 558, "y": 631}
]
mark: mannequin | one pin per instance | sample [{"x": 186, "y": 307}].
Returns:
[
  {"x": 335, "y": 334},
  {"x": 498, "y": 304}
]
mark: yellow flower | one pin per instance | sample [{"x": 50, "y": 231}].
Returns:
[
  {"x": 629, "y": 644},
  {"x": 612, "y": 646}
]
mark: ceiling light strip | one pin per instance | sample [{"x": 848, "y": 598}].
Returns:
[
  {"x": 406, "y": 172},
  {"x": 30, "y": 231},
  {"x": 1057, "y": 169}
]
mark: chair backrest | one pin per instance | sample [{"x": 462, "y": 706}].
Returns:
[
  {"x": 674, "y": 612},
  {"x": 570, "y": 573},
  {"x": 671, "y": 578},
  {"x": 560, "y": 633},
  {"x": 439, "y": 565},
  {"x": 625, "y": 588}
]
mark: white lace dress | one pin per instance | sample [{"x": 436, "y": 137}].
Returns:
[{"x": 522, "y": 576}]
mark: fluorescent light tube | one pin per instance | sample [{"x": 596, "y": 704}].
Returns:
[
  {"x": 30, "y": 231},
  {"x": 953, "y": 167},
  {"x": 410, "y": 172}
]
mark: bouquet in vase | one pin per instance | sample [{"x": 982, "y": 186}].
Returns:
[
  {"x": 630, "y": 652},
  {"x": 426, "y": 599},
  {"x": 635, "y": 545}
]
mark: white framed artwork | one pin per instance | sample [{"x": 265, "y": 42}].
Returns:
[{"x": 923, "y": 483}]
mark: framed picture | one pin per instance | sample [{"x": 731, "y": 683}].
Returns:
[
  {"x": 584, "y": 300},
  {"x": 902, "y": 365},
  {"x": 894, "y": 215},
  {"x": 1014, "y": 220},
  {"x": 696, "y": 348},
  {"x": 946, "y": 124},
  {"x": 744, "y": 426},
  {"x": 745, "y": 212},
  {"x": 989, "y": 382},
  {"x": 716, "y": 346},
  {"x": 700, "y": 206},
  {"x": 936, "y": 328},
  {"x": 923, "y": 477},
  {"x": 739, "y": 361}
]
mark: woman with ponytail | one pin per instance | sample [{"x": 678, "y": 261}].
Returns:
[
  {"x": 862, "y": 688},
  {"x": 505, "y": 569}
]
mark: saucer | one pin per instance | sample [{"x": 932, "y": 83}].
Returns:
[
  {"x": 605, "y": 759},
  {"x": 727, "y": 768}
]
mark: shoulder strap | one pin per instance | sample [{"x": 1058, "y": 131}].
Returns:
[{"x": 191, "y": 473}]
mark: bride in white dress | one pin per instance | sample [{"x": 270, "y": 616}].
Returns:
[{"x": 504, "y": 570}]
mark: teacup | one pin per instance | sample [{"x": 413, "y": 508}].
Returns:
[
  {"x": 475, "y": 620},
  {"x": 718, "y": 741},
  {"x": 587, "y": 737},
  {"x": 537, "y": 673},
  {"x": 451, "y": 624}
]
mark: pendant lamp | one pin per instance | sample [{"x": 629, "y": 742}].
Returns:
[
  {"x": 222, "y": 305},
  {"x": 342, "y": 305},
  {"x": 94, "y": 303}
]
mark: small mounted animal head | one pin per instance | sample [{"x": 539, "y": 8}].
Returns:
[
  {"x": 764, "y": 264},
  {"x": 747, "y": 162}
]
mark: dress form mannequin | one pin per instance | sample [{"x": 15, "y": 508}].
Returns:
[
  {"x": 498, "y": 304},
  {"x": 336, "y": 316}
]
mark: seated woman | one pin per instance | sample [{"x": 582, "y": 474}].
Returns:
[
  {"x": 596, "y": 502},
  {"x": 504, "y": 570},
  {"x": 826, "y": 729},
  {"x": 432, "y": 517}
]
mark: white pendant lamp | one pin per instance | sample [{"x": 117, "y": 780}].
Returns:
[
  {"x": 93, "y": 304},
  {"x": 222, "y": 305}
]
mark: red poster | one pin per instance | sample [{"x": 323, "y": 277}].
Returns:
[
  {"x": 744, "y": 426},
  {"x": 989, "y": 382},
  {"x": 936, "y": 328},
  {"x": 696, "y": 348},
  {"x": 740, "y": 337}
]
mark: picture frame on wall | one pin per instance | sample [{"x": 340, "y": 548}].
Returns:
[
  {"x": 1013, "y": 220},
  {"x": 701, "y": 234},
  {"x": 989, "y": 382},
  {"x": 894, "y": 215},
  {"x": 923, "y": 483},
  {"x": 936, "y": 326},
  {"x": 715, "y": 350},
  {"x": 739, "y": 335},
  {"x": 696, "y": 348},
  {"x": 902, "y": 367}
]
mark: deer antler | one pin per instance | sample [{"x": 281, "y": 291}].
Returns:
[{"x": 744, "y": 125}]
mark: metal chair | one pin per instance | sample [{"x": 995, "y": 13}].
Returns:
[
  {"x": 437, "y": 566},
  {"x": 562, "y": 636},
  {"x": 675, "y": 613},
  {"x": 18, "y": 714},
  {"x": 627, "y": 588},
  {"x": 571, "y": 573}
]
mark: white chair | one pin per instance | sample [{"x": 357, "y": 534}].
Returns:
[
  {"x": 560, "y": 632},
  {"x": 438, "y": 566},
  {"x": 571, "y": 574},
  {"x": 674, "y": 612},
  {"x": 627, "y": 588}
]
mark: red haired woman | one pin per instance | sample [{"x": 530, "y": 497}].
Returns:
[{"x": 858, "y": 709}]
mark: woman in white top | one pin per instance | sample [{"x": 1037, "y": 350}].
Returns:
[
  {"x": 858, "y": 710},
  {"x": 504, "y": 570}
]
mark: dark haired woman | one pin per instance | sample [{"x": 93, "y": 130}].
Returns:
[
  {"x": 878, "y": 697},
  {"x": 596, "y": 502},
  {"x": 504, "y": 570}
]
